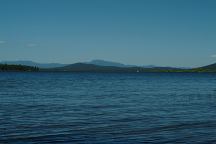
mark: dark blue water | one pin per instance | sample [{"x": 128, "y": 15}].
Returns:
[{"x": 107, "y": 108}]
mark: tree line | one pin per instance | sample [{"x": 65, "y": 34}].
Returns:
[{"x": 7, "y": 67}]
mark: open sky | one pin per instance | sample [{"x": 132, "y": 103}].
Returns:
[{"x": 160, "y": 32}]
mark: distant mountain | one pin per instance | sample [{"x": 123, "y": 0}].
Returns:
[
  {"x": 31, "y": 63},
  {"x": 208, "y": 68},
  {"x": 54, "y": 65},
  {"x": 84, "y": 67},
  {"x": 116, "y": 64},
  {"x": 105, "y": 66},
  {"x": 108, "y": 63}
]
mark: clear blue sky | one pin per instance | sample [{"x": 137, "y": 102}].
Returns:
[{"x": 142, "y": 32}]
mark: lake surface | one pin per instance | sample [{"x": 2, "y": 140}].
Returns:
[{"x": 107, "y": 108}]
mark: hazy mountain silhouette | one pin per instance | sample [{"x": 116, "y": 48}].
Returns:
[
  {"x": 107, "y": 66},
  {"x": 108, "y": 63},
  {"x": 85, "y": 67},
  {"x": 53, "y": 65},
  {"x": 116, "y": 64}
]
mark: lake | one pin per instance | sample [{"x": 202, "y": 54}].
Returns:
[{"x": 107, "y": 108}]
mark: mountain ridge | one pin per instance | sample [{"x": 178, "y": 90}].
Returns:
[
  {"x": 53, "y": 65},
  {"x": 106, "y": 66},
  {"x": 108, "y": 63},
  {"x": 83, "y": 67}
]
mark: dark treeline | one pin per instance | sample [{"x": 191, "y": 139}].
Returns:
[
  {"x": 7, "y": 67},
  {"x": 81, "y": 67}
]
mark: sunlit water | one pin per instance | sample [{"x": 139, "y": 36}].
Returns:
[{"x": 107, "y": 108}]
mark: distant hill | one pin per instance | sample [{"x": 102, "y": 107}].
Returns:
[
  {"x": 108, "y": 63},
  {"x": 31, "y": 63},
  {"x": 116, "y": 64},
  {"x": 84, "y": 67},
  {"x": 95, "y": 66},
  {"x": 208, "y": 68},
  {"x": 54, "y": 65}
]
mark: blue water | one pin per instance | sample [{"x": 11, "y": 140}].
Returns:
[{"x": 107, "y": 108}]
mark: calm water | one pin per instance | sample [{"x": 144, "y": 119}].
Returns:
[{"x": 107, "y": 108}]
